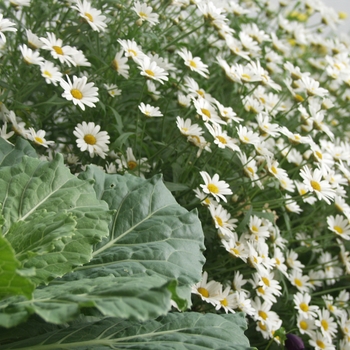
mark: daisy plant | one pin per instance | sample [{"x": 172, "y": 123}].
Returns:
[{"x": 174, "y": 172}]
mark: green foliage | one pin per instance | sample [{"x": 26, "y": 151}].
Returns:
[
  {"x": 12, "y": 282},
  {"x": 107, "y": 245},
  {"x": 174, "y": 331}
]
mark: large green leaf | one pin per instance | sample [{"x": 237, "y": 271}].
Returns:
[
  {"x": 11, "y": 280},
  {"x": 51, "y": 219},
  {"x": 134, "y": 298},
  {"x": 152, "y": 243},
  {"x": 150, "y": 233},
  {"x": 10, "y": 155},
  {"x": 174, "y": 331}
]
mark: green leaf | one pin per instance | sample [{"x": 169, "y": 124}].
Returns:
[
  {"x": 153, "y": 244},
  {"x": 150, "y": 232},
  {"x": 10, "y": 155},
  {"x": 52, "y": 219},
  {"x": 47, "y": 243},
  {"x": 138, "y": 298},
  {"x": 119, "y": 142},
  {"x": 11, "y": 281},
  {"x": 172, "y": 186},
  {"x": 174, "y": 331}
]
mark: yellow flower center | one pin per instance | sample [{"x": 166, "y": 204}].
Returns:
[
  {"x": 302, "y": 191},
  {"x": 254, "y": 228},
  {"x": 246, "y": 77},
  {"x": 324, "y": 325},
  {"x": 192, "y": 63},
  {"x": 262, "y": 326},
  {"x": 213, "y": 188},
  {"x": 222, "y": 139},
  {"x": 246, "y": 139},
  {"x": 224, "y": 302},
  {"x": 115, "y": 65},
  {"x": 206, "y": 112},
  {"x": 338, "y": 229},
  {"x": 149, "y": 72},
  {"x": 58, "y": 50},
  {"x": 299, "y": 98},
  {"x": 143, "y": 15},
  {"x": 90, "y": 139},
  {"x": 298, "y": 282},
  {"x": 200, "y": 92},
  {"x": 184, "y": 130},
  {"x": 320, "y": 344},
  {"x": 304, "y": 307},
  {"x": 132, "y": 164},
  {"x": 203, "y": 292},
  {"x": 262, "y": 314},
  {"x": 303, "y": 325},
  {"x": 235, "y": 251},
  {"x": 342, "y": 15},
  {"x": 278, "y": 262},
  {"x": 132, "y": 52},
  {"x": 76, "y": 94},
  {"x": 195, "y": 139},
  {"x": 250, "y": 169},
  {"x": 318, "y": 154},
  {"x": 315, "y": 185},
  {"x": 39, "y": 140},
  {"x": 331, "y": 308},
  {"x": 89, "y": 16},
  {"x": 261, "y": 290},
  {"x": 266, "y": 281},
  {"x": 274, "y": 170},
  {"x": 47, "y": 73},
  {"x": 219, "y": 221}
]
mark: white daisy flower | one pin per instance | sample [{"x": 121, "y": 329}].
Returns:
[
  {"x": 208, "y": 291},
  {"x": 194, "y": 63},
  {"x": 80, "y": 92},
  {"x": 39, "y": 137},
  {"x": 33, "y": 40},
  {"x": 50, "y": 73},
  {"x": 131, "y": 49},
  {"x": 57, "y": 50},
  {"x": 120, "y": 66},
  {"x": 112, "y": 90},
  {"x": 129, "y": 163},
  {"x": 314, "y": 183},
  {"x": 151, "y": 70},
  {"x": 79, "y": 58},
  {"x": 206, "y": 110},
  {"x": 145, "y": 13},
  {"x": 301, "y": 302},
  {"x": 5, "y": 26},
  {"x": 339, "y": 225},
  {"x": 312, "y": 87},
  {"x": 222, "y": 220},
  {"x": 4, "y": 134},
  {"x": 217, "y": 188},
  {"x": 187, "y": 128},
  {"x": 221, "y": 138},
  {"x": 150, "y": 111},
  {"x": 30, "y": 56},
  {"x": 90, "y": 138},
  {"x": 91, "y": 15},
  {"x": 18, "y": 3}
]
